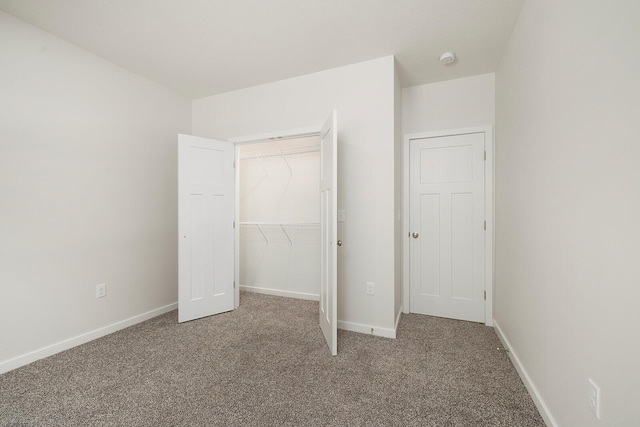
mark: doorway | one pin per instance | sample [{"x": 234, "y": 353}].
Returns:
[
  {"x": 279, "y": 217},
  {"x": 209, "y": 226},
  {"x": 448, "y": 237}
]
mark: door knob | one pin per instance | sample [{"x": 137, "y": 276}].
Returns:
[
  {"x": 339, "y": 242},
  {"x": 415, "y": 235}
]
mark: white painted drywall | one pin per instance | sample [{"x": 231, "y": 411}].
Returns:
[
  {"x": 363, "y": 95},
  {"x": 280, "y": 191},
  {"x": 87, "y": 191},
  {"x": 568, "y": 205},
  {"x": 452, "y": 104}
]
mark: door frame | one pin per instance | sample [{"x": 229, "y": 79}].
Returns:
[
  {"x": 488, "y": 203},
  {"x": 245, "y": 140}
]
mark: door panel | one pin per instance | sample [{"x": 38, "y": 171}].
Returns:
[
  {"x": 446, "y": 206},
  {"x": 328, "y": 233},
  {"x": 206, "y": 182},
  {"x": 430, "y": 244},
  {"x": 446, "y": 164},
  {"x": 462, "y": 245}
]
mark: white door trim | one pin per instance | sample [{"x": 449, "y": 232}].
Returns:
[
  {"x": 285, "y": 134},
  {"x": 489, "y": 209},
  {"x": 250, "y": 139}
]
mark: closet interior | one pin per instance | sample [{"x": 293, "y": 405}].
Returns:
[{"x": 279, "y": 212}]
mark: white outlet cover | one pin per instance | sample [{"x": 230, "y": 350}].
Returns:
[
  {"x": 370, "y": 288},
  {"x": 101, "y": 290}
]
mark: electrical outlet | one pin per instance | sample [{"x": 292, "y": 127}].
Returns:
[
  {"x": 370, "y": 288},
  {"x": 101, "y": 290},
  {"x": 594, "y": 398}
]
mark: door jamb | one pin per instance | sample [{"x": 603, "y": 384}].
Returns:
[
  {"x": 489, "y": 207},
  {"x": 249, "y": 139}
]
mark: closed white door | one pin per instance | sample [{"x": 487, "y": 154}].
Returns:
[
  {"x": 206, "y": 182},
  {"x": 328, "y": 232},
  {"x": 447, "y": 226}
]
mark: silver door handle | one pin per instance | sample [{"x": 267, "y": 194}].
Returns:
[
  {"x": 339, "y": 242},
  {"x": 415, "y": 235}
]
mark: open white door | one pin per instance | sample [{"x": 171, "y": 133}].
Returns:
[
  {"x": 328, "y": 232},
  {"x": 206, "y": 181}
]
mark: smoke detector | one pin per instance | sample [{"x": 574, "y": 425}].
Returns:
[{"x": 447, "y": 58}]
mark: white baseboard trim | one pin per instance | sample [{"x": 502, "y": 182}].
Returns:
[
  {"x": 25, "y": 359},
  {"x": 531, "y": 388},
  {"x": 367, "y": 329},
  {"x": 280, "y": 293}
]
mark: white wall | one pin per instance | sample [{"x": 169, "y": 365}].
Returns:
[
  {"x": 363, "y": 94},
  {"x": 568, "y": 205},
  {"x": 281, "y": 256},
  {"x": 452, "y": 104},
  {"x": 87, "y": 192}
]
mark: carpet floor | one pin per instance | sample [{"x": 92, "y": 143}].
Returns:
[{"x": 266, "y": 364}]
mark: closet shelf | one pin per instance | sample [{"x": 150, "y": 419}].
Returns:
[{"x": 283, "y": 224}]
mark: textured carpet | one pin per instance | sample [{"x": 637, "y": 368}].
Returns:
[{"x": 267, "y": 364}]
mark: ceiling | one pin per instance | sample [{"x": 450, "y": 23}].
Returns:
[{"x": 204, "y": 47}]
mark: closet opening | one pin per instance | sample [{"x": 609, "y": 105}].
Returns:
[
  {"x": 278, "y": 205},
  {"x": 282, "y": 194}
]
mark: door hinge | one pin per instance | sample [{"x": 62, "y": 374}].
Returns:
[
  {"x": 485, "y": 295},
  {"x": 485, "y": 155},
  {"x": 234, "y": 224},
  {"x": 485, "y": 225}
]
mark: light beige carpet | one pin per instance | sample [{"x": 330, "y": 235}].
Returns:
[{"x": 266, "y": 364}]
